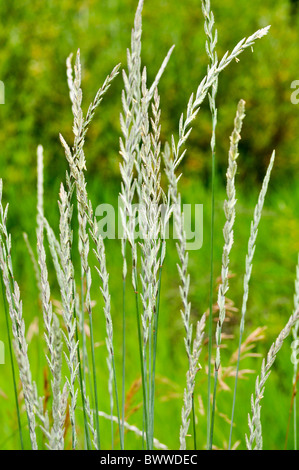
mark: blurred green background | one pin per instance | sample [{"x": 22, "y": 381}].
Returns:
[{"x": 35, "y": 39}]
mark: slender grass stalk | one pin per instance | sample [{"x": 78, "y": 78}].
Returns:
[
  {"x": 67, "y": 288},
  {"x": 135, "y": 128},
  {"x": 212, "y": 55},
  {"x": 83, "y": 243},
  {"x": 59, "y": 403},
  {"x": 123, "y": 360},
  {"x": 12, "y": 364},
  {"x": 295, "y": 338},
  {"x": 99, "y": 251},
  {"x": 104, "y": 276},
  {"x": 248, "y": 269},
  {"x": 193, "y": 108},
  {"x": 131, "y": 97},
  {"x": 158, "y": 247},
  {"x": 85, "y": 271},
  {"x": 75, "y": 94},
  {"x": 83, "y": 333},
  {"x": 228, "y": 233},
  {"x": 90, "y": 420},
  {"x": 196, "y": 99},
  {"x": 52, "y": 327},
  {"x": 81, "y": 382},
  {"x": 40, "y": 189},
  {"x": 150, "y": 224},
  {"x": 80, "y": 128},
  {"x": 39, "y": 229},
  {"x": 184, "y": 287},
  {"x": 110, "y": 390},
  {"x": 94, "y": 378},
  {"x": 117, "y": 404},
  {"x": 12, "y": 292},
  {"x": 143, "y": 378},
  {"x": 210, "y": 345},
  {"x": 62, "y": 260},
  {"x": 194, "y": 424},
  {"x": 54, "y": 345},
  {"x": 291, "y": 411},
  {"x": 255, "y": 441},
  {"x": 191, "y": 376},
  {"x": 295, "y": 415},
  {"x": 184, "y": 277},
  {"x": 213, "y": 410},
  {"x": 155, "y": 330}
]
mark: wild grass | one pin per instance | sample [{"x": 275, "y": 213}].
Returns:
[{"x": 150, "y": 194}]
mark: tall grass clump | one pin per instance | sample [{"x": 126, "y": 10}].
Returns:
[{"x": 150, "y": 198}]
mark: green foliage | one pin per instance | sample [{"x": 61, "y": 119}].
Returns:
[
  {"x": 36, "y": 38},
  {"x": 35, "y": 41}
]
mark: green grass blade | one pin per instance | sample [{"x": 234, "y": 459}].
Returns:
[{"x": 12, "y": 365}]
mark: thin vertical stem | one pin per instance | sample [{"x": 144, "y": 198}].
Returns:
[
  {"x": 295, "y": 420},
  {"x": 141, "y": 360},
  {"x": 295, "y": 337},
  {"x": 254, "y": 441},
  {"x": 86, "y": 429},
  {"x": 83, "y": 328},
  {"x": 228, "y": 235},
  {"x": 210, "y": 334},
  {"x": 150, "y": 346},
  {"x": 124, "y": 350},
  {"x": 12, "y": 365},
  {"x": 235, "y": 393},
  {"x": 94, "y": 381},
  {"x": 155, "y": 340},
  {"x": 117, "y": 405},
  {"x": 248, "y": 270},
  {"x": 211, "y": 41},
  {"x": 213, "y": 409},
  {"x": 194, "y": 423}
]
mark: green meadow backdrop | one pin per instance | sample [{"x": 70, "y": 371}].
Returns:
[{"x": 35, "y": 39}]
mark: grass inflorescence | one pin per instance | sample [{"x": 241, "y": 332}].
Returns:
[{"x": 150, "y": 193}]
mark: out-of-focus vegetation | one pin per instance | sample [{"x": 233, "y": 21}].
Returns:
[{"x": 35, "y": 39}]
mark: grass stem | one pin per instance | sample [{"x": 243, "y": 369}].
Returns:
[{"x": 12, "y": 365}]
